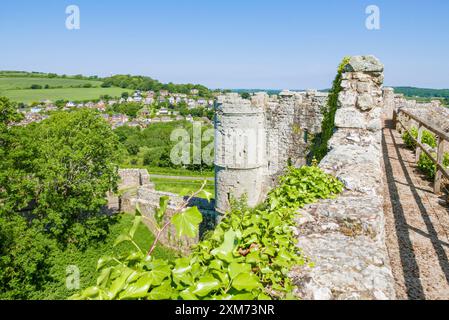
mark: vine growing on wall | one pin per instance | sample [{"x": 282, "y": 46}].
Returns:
[
  {"x": 320, "y": 142},
  {"x": 248, "y": 256}
]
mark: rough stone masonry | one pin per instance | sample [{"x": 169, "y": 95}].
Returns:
[{"x": 345, "y": 237}]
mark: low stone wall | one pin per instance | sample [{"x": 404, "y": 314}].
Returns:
[
  {"x": 345, "y": 237},
  {"x": 133, "y": 178},
  {"x": 147, "y": 199}
]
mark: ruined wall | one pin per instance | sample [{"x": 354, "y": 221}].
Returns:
[
  {"x": 133, "y": 178},
  {"x": 280, "y": 129},
  {"x": 432, "y": 112},
  {"x": 139, "y": 192},
  {"x": 345, "y": 237}
]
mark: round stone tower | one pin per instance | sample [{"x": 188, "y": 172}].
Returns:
[{"x": 240, "y": 152}]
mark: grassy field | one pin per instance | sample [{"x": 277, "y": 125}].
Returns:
[
  {"x": 182, "y": 187},
  {"x": 74, "y": 94},
  {"x": 171, "y": 171},
  {"x": 86, "y": 261},
  {"x": 12, "y": 83}
]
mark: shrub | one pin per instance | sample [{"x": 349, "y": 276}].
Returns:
[
  {"x": 409, "y": 142},
  {"x": 426, "y": 165}
]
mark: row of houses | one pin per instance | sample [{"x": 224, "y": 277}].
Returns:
[{"x": 119, "y": 120}]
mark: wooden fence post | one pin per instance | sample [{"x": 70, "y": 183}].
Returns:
[
  {"x": 439, "y": 174},
  {"x": 418, "y": 148}
]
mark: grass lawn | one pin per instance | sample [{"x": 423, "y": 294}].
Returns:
[
  {"x": 182, "y": 187},
  {"x": 86, "y": 261},
  {"x": 75, "y": 94},
  {"x": 171, "y": 171},
  {"x": 180, "y": 172},
  {"x": 12, "y": 83}
]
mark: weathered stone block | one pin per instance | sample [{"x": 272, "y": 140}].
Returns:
[
  {"x": 364, "y": 64},
  {"x": 363, "y": 87},
  {"x": 350, "y": 118},
  {"x": 347, "y": 99},
  {"x": 365, "y": 102}
]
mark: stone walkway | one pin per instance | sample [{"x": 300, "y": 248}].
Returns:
[{"x": 417, "y": 225}]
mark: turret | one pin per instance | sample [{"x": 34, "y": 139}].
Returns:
[{"x": 240, "y": 151}]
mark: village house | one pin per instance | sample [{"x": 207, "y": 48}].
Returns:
[
  {"x": 148, "y": 100},
  {"x": 194, "y": 92},
  {"x": 163, "y": 111}
]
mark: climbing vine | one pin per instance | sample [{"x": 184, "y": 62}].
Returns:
[
  {"x": 248, "y": 255},
  {"x": 320, "y": 143}
]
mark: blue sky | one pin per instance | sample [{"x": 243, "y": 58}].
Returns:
[{"x": 228, "y": 44}]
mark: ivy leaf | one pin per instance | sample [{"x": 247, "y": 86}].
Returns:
[
  {"x": 187, "y": 222},
  {"x": 122, "y": 238},
  {"x": 205, "y": 285},
  {"x": 138, "y": 289},
  {"x": 135, "y": 256},
  {"x": 91, "y": 292},
  {"x": 181, "y": 272},
  {"x": 119, "y": 283},
  {"x": 162, "y": 292},
  {"x": 103, "y": 261},
  {"x": 159, "y": 271},
  {"x": 163, "y": 203},
  {"x": 187, "y": 294},
  {"x": 243, "y": 296},
  {"x": 104, "y": 277},
  {"x": 224, "y": 252},
  {"x": 234, "y": 269},
  {"x": 136, "y": 223},
  {"x": 246, "y": 282}
]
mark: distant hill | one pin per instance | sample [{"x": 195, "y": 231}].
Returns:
[
  {"x": 422, "y": 92},
  {"x": 30, "y": 87},
  {"x": 410, "y": 92}
]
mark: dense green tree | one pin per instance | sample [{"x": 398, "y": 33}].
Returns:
[{"x": 59, "y": 172}]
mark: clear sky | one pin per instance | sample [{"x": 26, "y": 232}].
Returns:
[{"x": 229, "y": 43}]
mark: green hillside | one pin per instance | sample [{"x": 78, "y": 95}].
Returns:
[
  {"x": 74, "y": 94},
  {"x": 12, "y": 83},
  {"x": 35, "y": 87}
]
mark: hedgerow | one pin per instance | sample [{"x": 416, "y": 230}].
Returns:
[{"x": 248, "y": 255}]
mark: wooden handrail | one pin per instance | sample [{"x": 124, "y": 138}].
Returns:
[
  {"x": 441, "y": 138},
  {"x": 427, "y": 125}
]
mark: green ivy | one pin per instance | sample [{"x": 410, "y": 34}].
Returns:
[
  {"x": 319, "y": 147},
  {"x": 248, "y": 256}
]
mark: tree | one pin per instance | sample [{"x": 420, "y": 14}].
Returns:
[
  {"x": 245, "y": 95},
  {"x": 58, "y": 174}
]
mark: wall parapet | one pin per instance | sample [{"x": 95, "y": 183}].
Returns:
[{"x": 345, "y": 237}]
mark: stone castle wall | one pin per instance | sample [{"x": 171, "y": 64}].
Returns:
[
  {"x": 265, "y": 134},
  {"x": 345, "y": 237}
]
